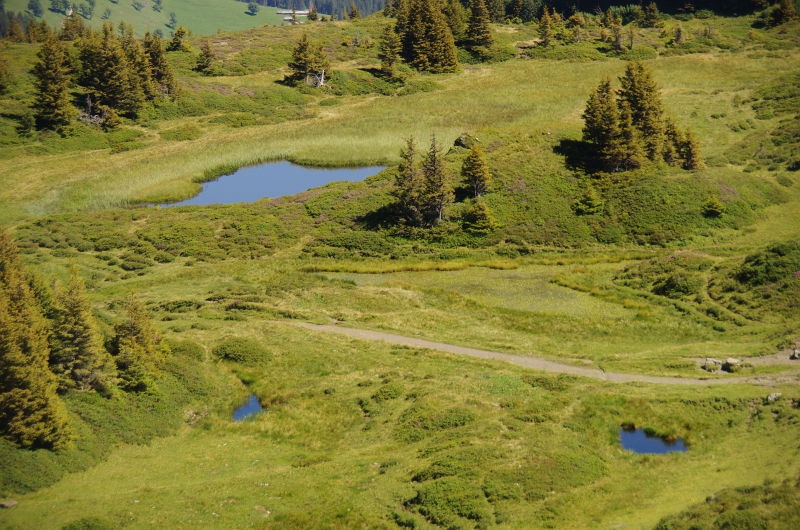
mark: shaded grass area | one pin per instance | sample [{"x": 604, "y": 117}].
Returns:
[{"x": 400, "y": 434}]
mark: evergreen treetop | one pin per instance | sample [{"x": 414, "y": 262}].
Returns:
[
  {"x": 475, "y": 171},
  {"x": 479, "y": 33},
  {"x": 640, "y": 91},
  {"x": 389, "y": 52},
  {"x": 437, "y": 190},
  {"x": 309, "y": 63},
  {"x": 427, "y": 41},
  {"x": 52, "y": 105}
]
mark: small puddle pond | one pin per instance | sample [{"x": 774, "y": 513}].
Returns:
[
  {"x": 638, "y": 441},
  {"x": 248, "y": 410},
  {"x": 274, "y": 179}
]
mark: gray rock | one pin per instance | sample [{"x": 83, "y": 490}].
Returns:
[
  {"x": 8, "y": 504},
  {"x": 772, "y": 398},
  {"x": 795, "y": 354},
  {"x": 466, "y": 141},
  {"x": 731, "y": 360}
]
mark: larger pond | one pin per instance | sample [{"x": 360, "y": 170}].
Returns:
[
  {"x": 638, "y": 441},
  {"x": 274, "y": 179}
]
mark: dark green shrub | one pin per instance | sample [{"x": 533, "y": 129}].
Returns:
[
  {"x": 550, "y": 383},
  {"x": 89, "y": 523},
  {"x": 241, "y": 350},
  {"x": 423, "y": 419},
  {"x": 445, "y": 502},
  {"x": 776, "y": 263},
  {"x": 387, "y": 392},
  {"x": 182, "y": 133},
  {"x": 679, "y": 285},
  {"x": 186, "y": 349}
]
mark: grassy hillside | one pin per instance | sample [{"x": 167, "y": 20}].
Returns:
[
  {"x": 202, "y": 17},
  {"x": 364, "y": 434}
]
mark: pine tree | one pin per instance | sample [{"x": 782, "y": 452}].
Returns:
[
  {"x": 31, "y": 413},
  {"x": 475, "y": 171},
  {"x": 589, "y": 203},
  {"x": 16, "y": 33},
  {"x": 52, "y": 104},
  {"x": 408, "y": 185},
  {"x": 138, "y": 60},
  {"x": 430, "y": 44},
  {"x": 529, "y": 10},
  {"x": 177, "y": 44},
  {"x": 673, "y": 142},
  {"x": 691, "y": 152},
  {"x": 680, "y": 35},
  {"x": 600, "y": 114},
  {"x": 782, "y": 12},
  {"x": 135, "y": 348},
  {"x": 546, "y": 28},
  {"x": 73, "y": 28},
  {"x": 497, "y": 10},
  {"x": 516, "y": 7},
  {"x": 309, "y": 63},
  {"x": 456, "y": 18},
  {"x": 206, "y": 58},
  {"x": 479, "y": 33},
  {"x": 35, "y": 7},
  {"x": 437, "y": 191},
  {"x": 108, "y": 75},
  {"x": 389, "y": 52},
  {"x": 78, "y": 358},
  {"x": 628, "y": 151},
  {"x": 389, "y": 9},
  {"x": 640, "y": 91},
  {"x": 354, "y": 13},
  {"x": 478, "y": 218},
  {"x": 649, "y": 17},
  {"x": 162, "y": 75},
  {"x": 313, "y": 14}
]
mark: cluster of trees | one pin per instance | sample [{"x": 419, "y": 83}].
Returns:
[
  {"x": 118, "y": 72},
  {"x": 16, "y": 27},
  {"x": 309, "y": 63},
  {"x": 628, "y": 126},
  {"x": 50, "y": 343},
  {"x": 424, "y": 189},
  {"x": 782, "y": 12}
]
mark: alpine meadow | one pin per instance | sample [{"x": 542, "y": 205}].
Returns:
[{"x": 401, "y": 264}]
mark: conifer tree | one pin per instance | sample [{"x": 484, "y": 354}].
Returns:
[
  {"x": 691, "y": 152},
  {"x": 135, "y": 348},
  {"x": 16, "y": 33},
  {"x": 177, "y": 44},
  {"x": 589, "y": 203},
  {"x": 546, "y": 28},
  {"x": 427, "y": 42},
  {"x": 408, "y": 185},
  {"x": 162, "y": 74},
  {"x": 516, "y": 7},
  {"x": 640, "y": 91},
  {"x": 478, "y": 218},
  {"x": 138, "y": 60},
  {"x": 389, "y": 52},
  {"x": 673, "y": 142},
  {"x": 73, "y": 28},
  {"x": 108, "y": 76},
  {"x": 309, "y": 63},
  {"x": 354, "y": 13},
  {"x": 207, "y": 56},
  {"x": 31, "y": 413},
  {"x": 456, "y": 18},
  {"x": 389, "y": 9},
  {"x": 600, "y": 114},
  {"x": 497, "y": 10},
  {"x": 313, "y": 14},
  {"x": 475, "y": 171},
  {"x": 437, "y": 190},
  {"x": 78, "y": 358},
  {"x": 479, "y": 33},
  {"x": 648, "y": 17},
  {"x": 627, "y": 151},
  {"x": 403, "y": 14},
  {"x": 52, "y": 105},
  {"x": 35, "y": 7},
  {"x": 782, "y": 12},
  {"x": 680, "y": 35}
]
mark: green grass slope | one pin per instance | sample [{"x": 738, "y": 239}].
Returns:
[{"x": 202, "y": 17}]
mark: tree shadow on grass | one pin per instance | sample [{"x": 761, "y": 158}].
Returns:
[
  {"x": 387, "y": 216},
  {"x": 579, "y": 155}
]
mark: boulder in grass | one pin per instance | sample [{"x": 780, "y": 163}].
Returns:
[
  {"x": 795, "y": 354},
  {"x": 731, "y": 365},
  {"x": 8, "y": 504}
]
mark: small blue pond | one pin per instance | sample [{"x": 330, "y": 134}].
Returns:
[
  {"x": 274, "y": 179},
  {"x": 248, "y": 410},
  {"x": 638, "y": 441}
]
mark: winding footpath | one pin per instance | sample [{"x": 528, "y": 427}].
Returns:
[{"x": 541, "y": 364}]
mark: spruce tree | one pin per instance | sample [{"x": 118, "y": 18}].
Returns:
[
  {"x": 31, "y": 413},
  {"x": 427, "y": 38},
  {"x": 691, "y": 152},
  {"x": 782, "y": 12},
  {"x": 313, "y": 14},
  {"x": 408, "y": 185},
  {"x": 456, "y": 18},
  {"x": 545, "y": 28},
  {"x": 516, "y": 7},
  {"x": 478, "y": 218},
  {"x": 108, "y": 75},
  {"x": 16, "y": 33},
  {"x": 589, "y": 203},
  {"x": 309, "y": 63},
  {"x": 73, "y": 28},
  {"x": 162, "y": 75},
  {"x": 177, "y": 44},
  {"x": 479, "y": 33},
  {"x": 354, "y": 13},
  {"x": 680, "y": 35},
  {"x": 437, "y": 192},
  {"x": 640, "y": 91},
  {"x": 135, "y": 348},
  {"x": 497, "y": 10},
  {"x": 673, "y": 142},
  {"x": 206, "y": 58},
  {"x": 35, "y": 7},
  {"x": 52, "y": 105},
  {"x": 600, "y": 114},
  {"x": 475, "y": 171},
  {"x": 648, "y": 17},
  {"x": 627, "y": 151},
  {"x": 78, "y": 358},
  {"x": 389, "y": 52},
  {"x": 138, "y": 60}
]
